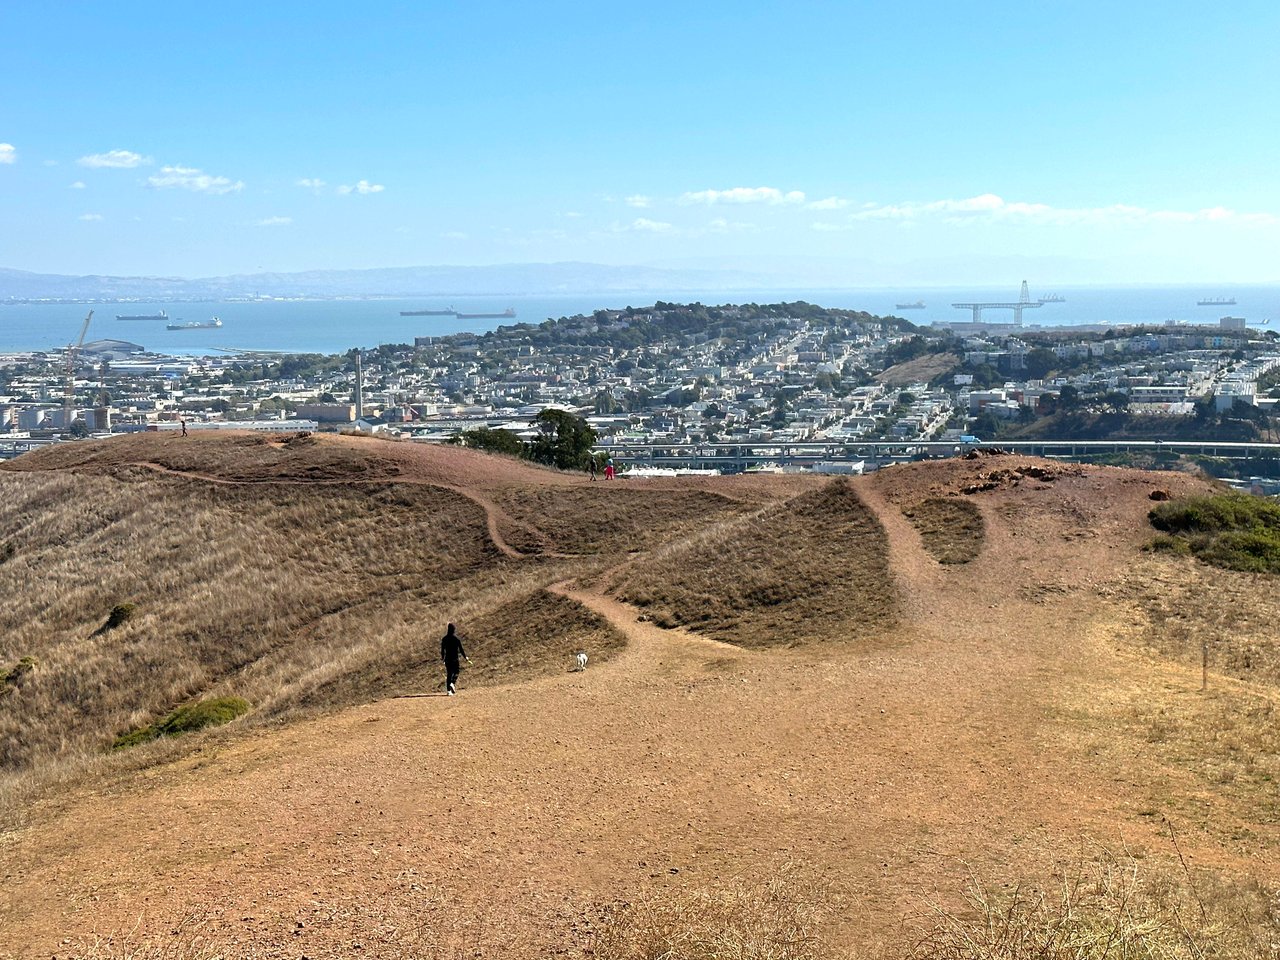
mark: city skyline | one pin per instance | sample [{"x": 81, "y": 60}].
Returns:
[{"x": 1116, "y": 146}]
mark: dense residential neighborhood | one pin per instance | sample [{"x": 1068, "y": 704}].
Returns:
[{"x": 685, "y": 374}]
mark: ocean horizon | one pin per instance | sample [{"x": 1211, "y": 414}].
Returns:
[{"x": 335, "y": 326}]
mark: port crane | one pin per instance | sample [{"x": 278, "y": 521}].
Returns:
[
  {"x": 1024, "y": 302},
  {"x": 68, "y": 397}
]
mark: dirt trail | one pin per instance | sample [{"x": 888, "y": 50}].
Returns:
[
  {"x": 498, "y": 821},
  {"x": 495, "y": 516},
  {"x": 644, "y": 639}
]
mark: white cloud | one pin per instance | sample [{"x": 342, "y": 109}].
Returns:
[
  {"x": 8, "y": 153},
  {"x": 122, "y": 159},
  {"x": 274, "y": 222},
  {"x": 78, "y": 185},
  {"x": 311, "y": 183},
  {"x": 721, "y": 225},
  {"x": 361, "y": 187},
  {"x": 455, "y": 235},
  {"x": 769, "y": 195},
  {"x": 190, "y": 178},
  {"x": 638, "y": 200},
  {"x": 572, "y": 215},
  {"x": 645, "y": 225},
  {"x": 994, "y": 208},
  {"x": 829, "y": 203},
  {"x": 90, "y": 216}
]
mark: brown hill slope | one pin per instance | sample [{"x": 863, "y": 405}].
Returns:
[{"x": 1007, "y": 728}]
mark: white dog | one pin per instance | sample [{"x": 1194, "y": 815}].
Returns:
[{"x": 582, "y": 660}]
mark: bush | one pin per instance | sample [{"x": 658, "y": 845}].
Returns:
[
  {"x": 120, "y": 614},
  {"x": 11, "y": 677},
  {"x": 186, "y": 719},
  {"x": 1235, "y": 531}
]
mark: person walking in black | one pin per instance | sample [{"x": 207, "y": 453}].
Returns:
[
  {"x": 591, "y": 465},
  {"x": 450, "y": 651}
]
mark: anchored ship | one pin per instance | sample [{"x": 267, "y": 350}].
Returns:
[
  {"x": 429, "y": 313},
  {"x": 212, "y": 324},
  {"x": 150, "y": 316},
  {"x": 506, "y": 314},
  {"x": 1216, "y": 302},
  {"x": 918, "y": 305}
]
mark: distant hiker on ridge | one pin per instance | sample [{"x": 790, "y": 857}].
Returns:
[{"x": 450, "y": 651}]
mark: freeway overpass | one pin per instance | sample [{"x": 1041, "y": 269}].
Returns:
[
  {"x": 733, "y": 457},
  {"x": 13, "y": 448}
]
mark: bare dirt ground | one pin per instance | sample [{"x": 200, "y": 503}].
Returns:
[{"x": 504, "y": 822}]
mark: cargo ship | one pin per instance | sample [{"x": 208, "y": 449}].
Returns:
[
  {"x": 1216, "y": 302},
  {"x": 429, "y": 313},
  {"x": 506, "y": 314},
  {"x": 150, "y": 316},
  {"x": 918, "y": 305},
  {"x": 196, "y": 325}
]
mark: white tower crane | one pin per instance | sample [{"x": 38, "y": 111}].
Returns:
[{"x": 73, "y": 351}]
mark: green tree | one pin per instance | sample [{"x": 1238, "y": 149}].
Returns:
[
  {"x": 1040, "y": 363},
  {"x": 493, "y": 441},
  {"x": 565, "y": 440},
  {"x": 1117, "y": 401}
]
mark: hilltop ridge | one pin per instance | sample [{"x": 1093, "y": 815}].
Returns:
[{"x": 886, "y": 682}]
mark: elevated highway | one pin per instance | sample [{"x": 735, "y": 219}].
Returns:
[{"x": 735, "y": 457}]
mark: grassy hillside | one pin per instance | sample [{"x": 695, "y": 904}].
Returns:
[
  {"x": 299, "y": 573},
  {"x": 738, "y": 769},
  {"x": 813, "y": 567}
]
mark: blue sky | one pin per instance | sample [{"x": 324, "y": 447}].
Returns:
[{"x": 1105, "y": 140}]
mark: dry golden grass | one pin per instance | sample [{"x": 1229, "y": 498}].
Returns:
[
  {"x": 604, "y": 517},
  {"x": 1109, "y": 908},
  {"x": 952, "y": 530},
  {"x": 813, "y": 567},
  {"x": 777, "y": 918},
  {"x": 1181, "y": 603}
]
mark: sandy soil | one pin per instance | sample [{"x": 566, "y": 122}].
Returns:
[{"x": 504, "y": 821}]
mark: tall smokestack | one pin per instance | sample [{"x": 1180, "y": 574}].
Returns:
[{"x": 359, "y": 388}]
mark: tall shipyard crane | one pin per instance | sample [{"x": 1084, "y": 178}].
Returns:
[{"x": 73, "y": 351}]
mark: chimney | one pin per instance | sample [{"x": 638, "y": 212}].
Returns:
[{"x": 359, "y": 388}]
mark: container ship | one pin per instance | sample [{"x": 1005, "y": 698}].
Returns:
[
  {"x": 918, "y": 305},
  {"x": 196, "y": 325},
  {"x": 506, "y": 314},
  {"x": 429, "y": 313},
  {"x": 150, "y": 316},
  {"x": 1216, "y": 302}
]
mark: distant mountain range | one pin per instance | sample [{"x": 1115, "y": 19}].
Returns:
[{"x": 514, "y": 279}]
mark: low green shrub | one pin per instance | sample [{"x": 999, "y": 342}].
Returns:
[
  {"x": 1235, "y": 531},
  {"x": 120, "y": 614},
  {"x": 186, "y": 719},
  {"x": 14, "y": 674}
]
